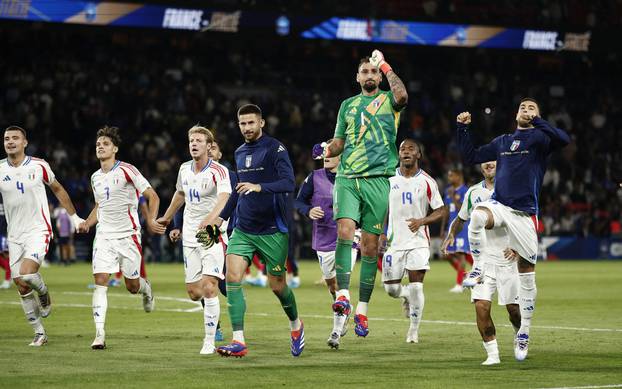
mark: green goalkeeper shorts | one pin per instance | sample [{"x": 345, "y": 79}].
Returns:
[
  {"x": 272, "y": 249},
  {"x": 364, "y": 200}
]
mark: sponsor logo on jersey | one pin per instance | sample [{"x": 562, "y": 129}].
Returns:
[
  {"x": 396, "y": 187},
  {"x": 249, "y": 161},
  {"x": 281, "y": 148},
  {"x": 515, "y": 145},
  {"x": 7, "y": 178}
]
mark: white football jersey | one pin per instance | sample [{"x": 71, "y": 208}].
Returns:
[
  {"x": 496, "y": 239},
  {"x": 116, "y": 193},
  {"x": 410, "y": 197},
  {"x": 24, "y": 197},
  {"x": 201, "y": 192}
]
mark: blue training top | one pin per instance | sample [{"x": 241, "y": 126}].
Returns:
[
  {"x": 521, "y": 161},
  {"x": 264, "y": 162}
]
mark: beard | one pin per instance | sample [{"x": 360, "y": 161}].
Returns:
[{"x": 369, "y": 86}]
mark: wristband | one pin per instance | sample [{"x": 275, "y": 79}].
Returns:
[{"x": 385, "y": 68}]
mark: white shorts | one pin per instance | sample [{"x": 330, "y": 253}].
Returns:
[
  {"x": 199, "y": 262},
  {"x": 395, "y": 263},
  {"x": 112, "y": 255},
  {"x": 327, "y": 263},
  {"x": 520, "y": 226},
  {"x": 33, "y": 247},
  {"x": 500, "y": 278}
]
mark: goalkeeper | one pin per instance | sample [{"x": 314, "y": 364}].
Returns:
[
  {"x": 365, "y": 137},
  {"x": 261, "y": 201},
  {"x": 204, "y": 186}
]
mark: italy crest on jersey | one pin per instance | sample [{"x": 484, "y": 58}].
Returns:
[
  {"x": 515, "y": 145},
  {"x": 249, "y": 161}
]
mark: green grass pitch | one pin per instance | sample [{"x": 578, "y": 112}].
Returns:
[{"x": 576, "y": 338}]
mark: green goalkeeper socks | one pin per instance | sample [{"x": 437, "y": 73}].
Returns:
[
  {"x": 288, "y": 302},
  {"x": 236, "y": 305},
  {"x": 368, "y": 278},
  {"x": 343, "y": 263}
]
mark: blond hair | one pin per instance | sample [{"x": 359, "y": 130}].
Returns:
[{"x": 209, "y": 136}]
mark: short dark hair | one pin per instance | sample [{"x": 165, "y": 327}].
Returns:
[
  {"x": 363, "y": 61},
  {"x": 249, "y": 108},
  {"x": 456, "y": 169},
  {"x": 16, "y": 128},
  {"x": 416, "y": 143},
  {"x": 110, "y": 132},
  {"x": 529, "y": 99}
]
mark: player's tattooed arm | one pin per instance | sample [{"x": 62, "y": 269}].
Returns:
[
  {"x": 399, "y": 90},
  {"x": 335, "y": 147}
]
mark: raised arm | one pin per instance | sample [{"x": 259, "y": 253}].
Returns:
[
  {"x": 470, "y": 154},
  {"x": 400, "y": 96},
  {"x": 559, "y": 138}
]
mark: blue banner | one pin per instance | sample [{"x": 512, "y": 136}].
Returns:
[
  {"x": 442, "y": 34},
  {"x": 104, "y": 13}
]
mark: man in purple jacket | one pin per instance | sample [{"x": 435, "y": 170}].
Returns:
[
  {"x": 315, "y": 201},
  {"x": 521, "y": 163}
]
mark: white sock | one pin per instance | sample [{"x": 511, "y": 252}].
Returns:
[
  {"x": 396, "y": 290},
  {"x": 145, "y": 288},
  {"x": 417, "y": 302},
  {"x": 527, "y": 300},
  {"x": 294, "y": 325},
  {"x": 35, "y": 281},
  {"x": 31, "y": 310},
  {"x": 211, "y": 313},
  {"x": 361, "y": 308},
  {"x": 343, "y": 292},
  {"x": 354, "y": 255},
  {"x": 477, "y": 232},
  {"x": 491, "y": 348},
  {"x": 238, "y": 336},
  {"x": 100, "y": 306}
]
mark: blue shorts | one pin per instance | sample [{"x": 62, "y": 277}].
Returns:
[
  {"x": 461, "y": 244},
  {"x": 4, "y": 244}
]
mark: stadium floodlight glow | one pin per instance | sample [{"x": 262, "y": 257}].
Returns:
[{"x": 445, "y": 34}]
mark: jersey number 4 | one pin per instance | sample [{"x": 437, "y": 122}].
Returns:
[{"x": 20, "y": 186}]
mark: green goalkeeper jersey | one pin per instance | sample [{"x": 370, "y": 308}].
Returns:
[{"x": 368, "y": 124}]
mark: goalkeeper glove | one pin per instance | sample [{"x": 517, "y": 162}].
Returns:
[
  {"x": 319, "y": 150},
  {"x": 208, "y": 236},
  {"x": 377, "y": 59}
]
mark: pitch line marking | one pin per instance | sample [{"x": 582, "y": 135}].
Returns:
[
  {"x": 588, "y": 387},
  {"x": 199, "y": 308}
]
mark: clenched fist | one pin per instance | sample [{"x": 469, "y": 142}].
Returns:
[{"x": 464, "y": 118}]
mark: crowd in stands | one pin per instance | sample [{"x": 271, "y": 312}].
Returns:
[{"x": 66, "y": 82}]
